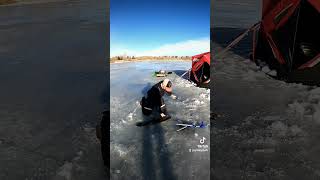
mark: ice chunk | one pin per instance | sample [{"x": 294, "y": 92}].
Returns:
[
  {"x": 265, "y": 69},
  {"x": 197, "y": 102},
  {"x": 272, "y": 73}
]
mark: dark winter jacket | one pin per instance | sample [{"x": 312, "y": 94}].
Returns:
[{"x": 154, "y": 98}]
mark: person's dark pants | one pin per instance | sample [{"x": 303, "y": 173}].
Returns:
[{"x": 148, "y": 105}]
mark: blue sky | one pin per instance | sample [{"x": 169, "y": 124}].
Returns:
[{"x": 163, "y": 27}]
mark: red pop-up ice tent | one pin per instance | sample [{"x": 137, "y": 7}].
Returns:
[
  {"x": 289, "y": 35},
  {"x": 200, "y": 71}
]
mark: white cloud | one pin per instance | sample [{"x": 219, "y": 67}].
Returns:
[{"x": 184, "y": 48}]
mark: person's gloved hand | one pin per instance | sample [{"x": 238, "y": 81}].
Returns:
[
  {"x": 163, "y": 115},
  {"x": 173, "y": 96}
]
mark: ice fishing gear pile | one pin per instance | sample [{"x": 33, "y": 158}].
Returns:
[{"x": 162, "y": 73}]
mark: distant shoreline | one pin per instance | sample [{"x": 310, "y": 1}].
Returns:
[
  {"x": 120, "y": 59},
  {"x": 6, "y": 3},
  {"x": 142, "y": 60}
]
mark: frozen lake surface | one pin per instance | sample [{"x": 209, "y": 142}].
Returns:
[
  {"x": 156, "y": 151},
  {"x": 53, "y": 89},
  {"x": 268, "y": 129}
]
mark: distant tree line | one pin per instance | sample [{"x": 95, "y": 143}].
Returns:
[
  {"x": 3, "y": 2},
  {"x": 148, "y": 57}
]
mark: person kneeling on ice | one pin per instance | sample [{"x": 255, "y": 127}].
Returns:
[{"x": 153, "y": 99}]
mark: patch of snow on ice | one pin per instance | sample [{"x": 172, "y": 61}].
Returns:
[
  {"x": 279, "y": 129},
  {"x": 205, "y": 95},
  {"x": 197, "y": 102},
  {"x": 64, "y": 172},
  {"x": 295, "y": 130},
  {"x": 130, "y": 117},
  {"x": 265, "y": 69},
  {"x": 272, "y": 118},
  {"x": 273, "y": 73},
  {"x": 297, "y": 108},
  {"x": 307, "y": 106},
  {"x": 253, "y": 75},
  {"x": 79, "y": 154},
  {"x": 120, "y": 150}
]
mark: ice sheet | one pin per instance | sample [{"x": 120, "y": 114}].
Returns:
[{"x": 156, "y": 151}]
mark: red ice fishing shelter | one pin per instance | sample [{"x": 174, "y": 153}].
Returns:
[
  {"x": 200, "y": 71},
  {"x": 289, "y": 35}
]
